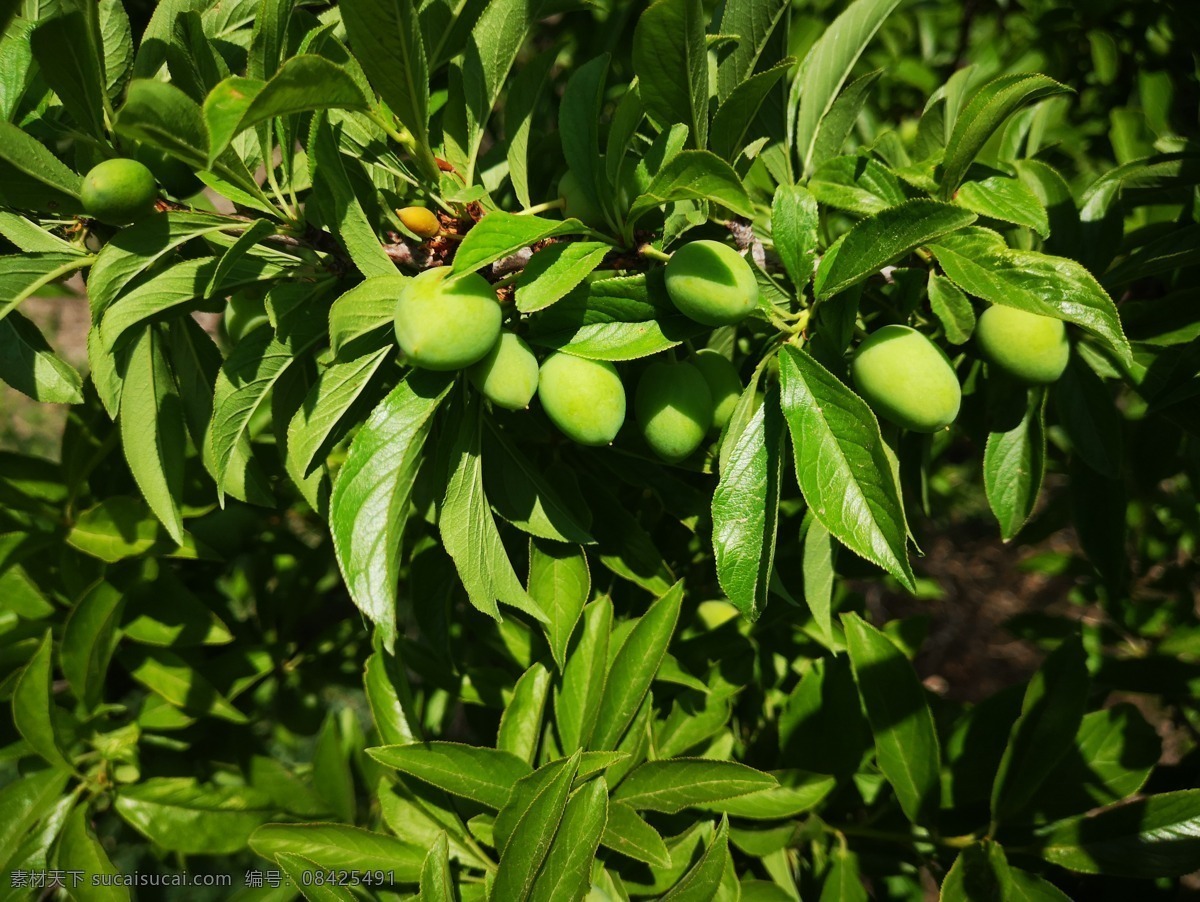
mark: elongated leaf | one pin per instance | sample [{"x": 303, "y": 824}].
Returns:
[
  {"x": 523, "y": 96},
  {"x": 566, "y": 873},
  {"x": 980, "y": 873},
  {"x": 753, "y": 21},
  {"x": 437, "y": 882},
  {"x": 634, "y": 668},
  {"x": 1006, "y": 199},
  {"x": 366, "y": 309},
  {"x": 70, "y": 62},
  {"x": 530, "y": 841},
  {"x": 628, "y": 834},
  {"x": 169, "y": 676},
  {"x": 499, "y": 234},
  {"x": 952, "y": 308},
  {"x": 842, "y": 883},
  {"x": 179, "y": 814},
  {"x": 829, "y": 64},
  {"x": 671, "y": 62},
  {"x": 842, "y": 465},
  {"x": 835, "y": 128},
  {"x": 29, "y": 364},
  {"x": 702, "y": 881},
  {"x": 23, "y": 803},
  {"x": 1157, "y": 836},
  {"x": 32, "y": 177},
  {"x": 560, "y": 583},
  {"x": 522, "y": 495},
  {"x": 1013, "y": 465},
  {"x": 1050, "y": 716},
  {"x": 33, "y": 705},
  {"x": 23, "y": 274},
  {"x": 818, "y": 578},
  {"x": 745, "y": 508},
  {"x": 906, "y": 744},
  {"x": 883, "y": 239},
  {"x": 984, "y": 114},
  {"x": 680, "y": 783},
  {"x": 481, "y": 774},
  {"x": 370, "y": 501},
  {"x": 794, "y": 221},
  {"x": 735, "y": 116},
  {"x": 337, "y": 846},
  {"x": 79, "y": 850},
  {"x": 551, "y": 273},
  {"x": 694, "y": 175},
  {"x": 521, "y": 723},
  {"x": 578, "y": 699},
  {"x": 88, "y": 641},
  {"x": 1091, "y": 419}
]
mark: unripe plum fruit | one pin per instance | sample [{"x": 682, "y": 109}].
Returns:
[
  {"x": 445, "y": 323},
  {"x": 907, "y": 379},
  {"x": 1031, "y": 347},
  {"x": 724, "y": 384},
  {"x": 176, "y": 176},
  {"x": 674, "y": 409},
  {"x": 508, "y": 375},
  {"x": 421, "y": 221},
  {"x": 583, "y": 398},
  {"x": 118, "y": 191},
  {"x": 711, "y": 283}
]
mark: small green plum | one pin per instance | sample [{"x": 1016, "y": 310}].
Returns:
[
  {"x": 711, "y": 283},
  {"x": 724, "y": 383},
  {"x": 447, "y": 323},
  {"x": 508, "y": 375},
  {"x": 583, "y": 398},
  {"x": 907, "y": 379},
  {"x": 674, "y": 409},
  {"x": 1030, "y": 347},
  {"x": 119, "y": 191}
]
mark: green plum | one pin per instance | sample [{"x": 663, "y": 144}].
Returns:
[
  {"x": 907, "y": 379},
  {"x": 176, "y": 176},
  {"x": 583, "y": 398},
  {"x": 674, "y": 409},
  {"x": 1030, "y": 347},
  {"x": 724, "y": 383},
  {"x": 447, "y": 323},
  {"x": 117, "y": 192},
  {"x": 508, "y": 375},
  {"x": 711, "y": 283}
]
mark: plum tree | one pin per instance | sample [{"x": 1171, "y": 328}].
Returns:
[
  {"x": 118, "y": 191},
  {"x": 724, "y": 384},
  {"x": 674, "y": 409},
  {"x": 1030, "y": 347},
  {"x": 447, "y": 323},
  {"x": 175, "y": 176},
  {"x": 711, "y": 283},
  {"x": 420, "y": 221},
  {"x": 508, "y": 375},
  {"x": 907, "y": 379},
  {"x": 583, "y": 398}
]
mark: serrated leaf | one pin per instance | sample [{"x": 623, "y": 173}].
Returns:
[
  {"x": 952, "y": 308},
  {"x": 70, "y": 63},
  {"x": 29, "y": 364},
  {"x": 883, "y": 239},
  {"x": 523, "y": 96},
  {"x": 794, "y": 221},
  {"x": 671, "y": 62},
  {"x": 366, "y": 309},
  {"x": 842, "y": 466},
  {"x": 675, "y": 784},
  {"x": 566, "y": 873},
  {"x": 753, "y": 21},
  {"x": 858, "y": 184},
  {"x": 172, "y": 678},
  {"x": 32, "y": 178},
  {"x": 33, "y": 705},
  {"x": 337, "y": 846},
  {"x": 499, "y": 234},
  {"x": 181, "y": 815},
  {"x": 560, "y": 583},
  {"x": 521, "y": 722},
  {"x": 835, "y": 128},
  {"x": 1006, "y": 199},
  {"x": 628, "y": 834},
  {"x": 578, "y": 697},
  {"x": 980, "y": 874},
  {"x": 738, "y": 111},
  {"x": 531, "y": 837},
  {"x": 906, "y": 743},
  {"x": 694, "y": 175},
  {"x": 481, "y": 774},
  {"x": 554, "y": 271},
  {"x": 702, "y": 882}
]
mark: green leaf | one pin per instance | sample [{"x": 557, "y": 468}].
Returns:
[
  {"x": 89, "y": 640},
  {"x": 984, "y": 114},
  {"x": 115, "y": 529},
  {"x": 29, "y": 364},
  {"x": 835, "y": 128},
  {"x": 577, "y": 699},
  {"x": 69, "y": 61},
  {"x": 523, "y": 94},
  {"x": 634, "y": 668},
  {"x": 745, "y": 508},
  {"x": 521, "y": 722},
  {"x": 1014, "y": 463},
  {"x": 554, "y": 271},
  {"x": 481, "y": 774},
  {"x": 186, "y": 622},
  {"x": 181, "y": 815},
  {"x": 560, "y": 584},
  {"x": 628, "y": 834},
  {"x": 818, "y": 579},
  {"x": 531, "y": 838},
  {"x": 1027, "y": 887},
  {"x": 1090, "y": 418},
  {"x": 858, "y": 184},
  {"x": 371, "y": 494},
  {"x": 1006, "y": 199},
  {"x": 116, "y": 39},
  {"x": 390, "y": 699},
  {"x": 331, "y": 775},
  {"x": 300, "y": 870},
  {"x": 678, "y": 783},
  {"x": 366, "y": 309},
  {"x": 842, "y": 464},
  {"x": 694, "y": 175},
  {"x": 468, "y": 529},
  {"x": 738, "y": 112},
  {"x": 952, "y": 308},
  {"x": 978, "y": 263},
  {"x": 906, "y": 743},
  {"x": 566, "y": 873},
  {"x": 1050, "y": 716},
  {"x": 794, "y": 221},
  {"x": 500, "y": 234},
  {"x": 33, "y": 708},
  {"x": 336, "y": 847},
  {"x": 799, "y": 792},
  {"x": 883, "y": 239},
  {"x": 700, "y": 884},
  {"x": 79, "y": 850},
  {"x": 32, "y": 178},
  {"x": 842, "y": 883},
  {"x": 437, "y": 883},
  {"x": 153, "y": 432},
  {"x": 671, "y": 61},
  {"x": 828, "y": 65},
  {"x": 22, "y": 275},
  {"x": 1156, "y": 836},
  {"x": 386, "y": 40},
  {"x": 753, "y": 21},
  {"x": 522, "y": 495},
  {"x": 980, "y": 874},
  {"x": 303, "y": 84},
  {"x": 169, "y": 676},
  {"x": 23, "y": 802},
  {"x": 579, "y": 115}
]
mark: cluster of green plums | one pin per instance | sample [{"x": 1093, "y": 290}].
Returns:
[
  {"x": 676, "y": 404},
  {"x": 910, "y": 381}
]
